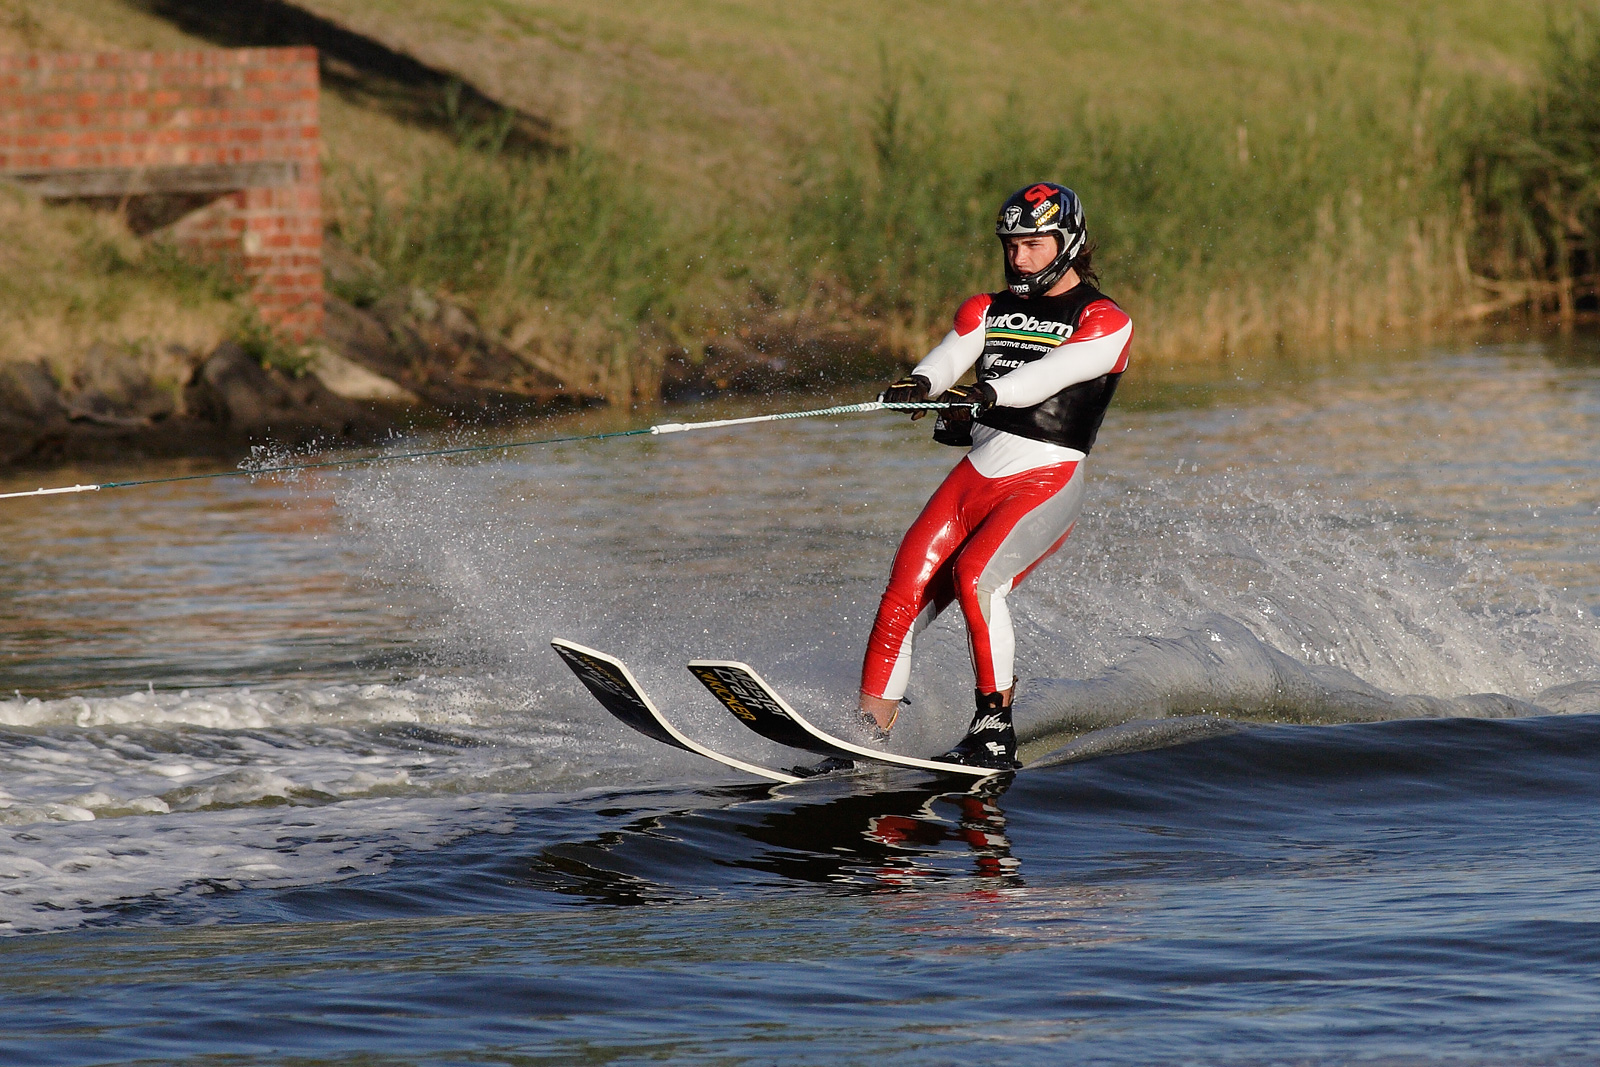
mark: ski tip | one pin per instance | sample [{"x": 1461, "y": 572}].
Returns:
[{"x": 574, "y": 653}]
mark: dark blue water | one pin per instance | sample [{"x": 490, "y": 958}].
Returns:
[
  {"x": 1395, "y": 892},
  {"x": 291, "y": 776}
]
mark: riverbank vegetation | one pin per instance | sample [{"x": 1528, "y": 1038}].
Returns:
[
  {"x": 1268, "y": 180},
  {"x": 1258, "y": 179},
  {"x": 1531, "y": 170}
]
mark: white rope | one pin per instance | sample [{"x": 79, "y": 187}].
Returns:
[
  {"x": 666, "y": 427},
  {"x": 52, "y": 492},
  {"x": 847, "y": 409}
]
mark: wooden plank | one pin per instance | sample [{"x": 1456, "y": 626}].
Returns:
[{"x": 140, "y": 181}]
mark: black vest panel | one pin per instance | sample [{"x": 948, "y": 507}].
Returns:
[{"x": 1017, "y": 332}]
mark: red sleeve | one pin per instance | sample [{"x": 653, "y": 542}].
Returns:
[
  {"x": 969, "y": 316},
  {"x": 1102, "y": 319}
]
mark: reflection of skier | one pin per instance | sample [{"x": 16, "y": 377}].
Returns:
[
  {"x": 982, "y": 827},
  {"x": 1049, "y": 350}
]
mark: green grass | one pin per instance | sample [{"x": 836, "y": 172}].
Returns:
[
  {"x": 71, "y": 277},
  {"x": 1217, "y": 233},
  {"x": 573, "y": 230},
  {"x": 1532, "y": 164},
  {"x": 1214, "y": 232},
  {"x": 719, "y": 95},
  {"x": 1256, "y": 173}
]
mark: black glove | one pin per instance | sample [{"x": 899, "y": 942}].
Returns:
[
  {"x": 912, "y": 389},
  {"x": 966, "y": 396}
]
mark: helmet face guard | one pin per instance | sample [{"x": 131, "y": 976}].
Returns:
[{"x": 1036, "y": 210}]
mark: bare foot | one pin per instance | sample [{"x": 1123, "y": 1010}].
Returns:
[{"x": 882, "y": 711}]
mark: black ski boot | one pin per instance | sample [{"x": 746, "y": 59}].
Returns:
[
  {"x": 991, "y": 740},
  {"x": 828, "y": 765}
]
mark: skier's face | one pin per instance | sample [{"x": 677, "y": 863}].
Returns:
[{"x": 1029, "y": 255}]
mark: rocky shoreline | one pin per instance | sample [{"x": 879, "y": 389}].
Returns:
[
  {"x": 409, "y": 361},
  {"x": 396, "y": 366}
]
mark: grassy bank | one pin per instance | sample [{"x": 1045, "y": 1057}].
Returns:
[
  {"x": 1218, "y": 234},
  {"x": 1258, "y": 176},
  {"x": 73, "y": 280},
  {"x": 565, "y": 255},
  {"x": 1340, "y": 222}
]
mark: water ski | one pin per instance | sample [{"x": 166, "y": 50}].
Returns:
[
  {"x": 742, "y": 691},
  {"x": 619, "y": 692}
]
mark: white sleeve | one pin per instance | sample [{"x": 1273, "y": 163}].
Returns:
[
  {"x": 1069, "y": 364},
  {"x": 950, "y": 359}
]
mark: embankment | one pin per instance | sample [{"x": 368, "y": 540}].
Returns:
[{"x": 630, "y": 205}]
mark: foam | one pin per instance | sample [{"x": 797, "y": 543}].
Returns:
[
  {"x": 75, "y": 873},
  {"x": 1281, "y": 582},
  {"x": 146, "y": 797},
  {"x": 243, "y": 708}
]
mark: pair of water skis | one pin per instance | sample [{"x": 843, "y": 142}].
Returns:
[{"x": 751, "y": 700}]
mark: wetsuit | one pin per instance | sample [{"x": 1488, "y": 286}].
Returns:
[{"x": 1053, "y": 363}]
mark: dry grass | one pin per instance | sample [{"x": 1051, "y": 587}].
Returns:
[
  {"x": 71, "y": 277},
  {"x": 1260, "y": 173},
  {"x": 1334, "y": 218}
]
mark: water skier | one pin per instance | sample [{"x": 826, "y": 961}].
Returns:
[{"x": 1049, "y": 350}]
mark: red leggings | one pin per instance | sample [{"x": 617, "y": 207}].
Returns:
[{"x": 975, "y": 541}]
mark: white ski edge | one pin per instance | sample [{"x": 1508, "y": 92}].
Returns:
[
  {"x": 678, "y": 735},
  {"x": 875, "y": 755}
]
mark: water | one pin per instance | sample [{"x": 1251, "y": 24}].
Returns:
[{"x": 290, "y": 775}]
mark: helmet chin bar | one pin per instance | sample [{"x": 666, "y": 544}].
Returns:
[{"x": 1040, "y": 281}]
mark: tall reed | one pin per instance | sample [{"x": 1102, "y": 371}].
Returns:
[
  {"x": 1220, "y": 233},
  {"x": 565, "y": 255},
  {"x": 1532, "y": 166},
  {"x": 1342, "y": 216}
]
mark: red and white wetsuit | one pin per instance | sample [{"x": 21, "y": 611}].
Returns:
[{"x": 1053, "y": 363}]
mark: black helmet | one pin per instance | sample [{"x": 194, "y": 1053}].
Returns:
[{"x": 1038, "y": 209}]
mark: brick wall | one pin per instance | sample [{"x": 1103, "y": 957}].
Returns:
[{"x": 241, "y": 123}]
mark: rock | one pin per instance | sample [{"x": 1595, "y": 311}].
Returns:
[
  {"x": 437, "y": 350},
  {"x": 410, "y": 352},
  {"x": 244, "y": 399},
  {"x": 235, "y": 391},
  {"x": 362, "y": 338},
  {"x": 26, "y": 389},
  {"x": 114, "y": 389},
  {"x": 423, "y": 304},
  {"x": 352, "y": 381}
]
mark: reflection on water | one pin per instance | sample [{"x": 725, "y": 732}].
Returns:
[
  {"x": 184, "y": 585},
  {"x": 865, "y": 832},
  {"x": 1358, "y": 538}
]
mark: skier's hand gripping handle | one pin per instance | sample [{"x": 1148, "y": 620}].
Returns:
[
  {"x": 967, "y": 401},
  {"x": 912, "y": 389}
]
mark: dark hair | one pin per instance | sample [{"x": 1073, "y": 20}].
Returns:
[{"x": 1083, "y": 263}]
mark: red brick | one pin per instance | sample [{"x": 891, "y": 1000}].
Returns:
[{"x": 87, "y": 109}]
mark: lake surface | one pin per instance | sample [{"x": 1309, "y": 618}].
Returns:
[{"x": 288, "y": 771}]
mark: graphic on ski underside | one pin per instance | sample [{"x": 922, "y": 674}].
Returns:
[
  {"x": 619, "y": 692},
  {"x": 753, "y": 702}
]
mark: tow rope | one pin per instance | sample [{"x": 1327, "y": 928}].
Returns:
[{"x": 252, "y": 468}]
